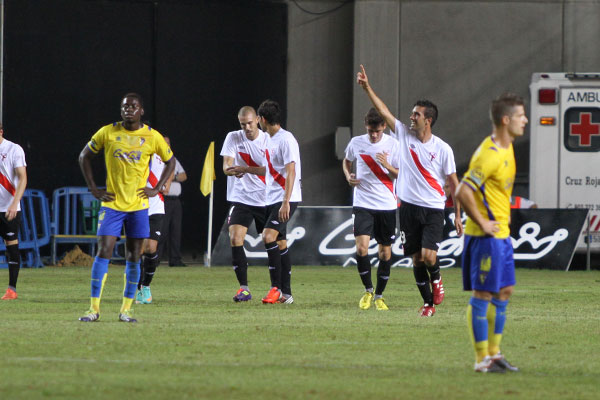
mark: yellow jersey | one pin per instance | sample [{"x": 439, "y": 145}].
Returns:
[
  {"x": 491, "y": 175},
  {"x": 127, "y": 156}
]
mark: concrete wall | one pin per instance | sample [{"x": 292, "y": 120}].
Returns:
[{"x": 459, "y": 54}]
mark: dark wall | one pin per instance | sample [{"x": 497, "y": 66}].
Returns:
[{"x": 68, "y": 63}]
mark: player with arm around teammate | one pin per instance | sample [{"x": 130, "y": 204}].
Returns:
[
  {"x": 425, "y": 163},
  {"x": 488, "y": 263},
  {"x": 128, "y": 146},
  {"x": 243, "y": 155},
  {"x": 374, "y": 202},
  {"x": 13, "y": 181}
]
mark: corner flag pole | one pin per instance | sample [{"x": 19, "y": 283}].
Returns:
[{"x": 206, "y": 187}]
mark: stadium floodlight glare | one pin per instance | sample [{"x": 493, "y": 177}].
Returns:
[{"x": 547, "y": 96}]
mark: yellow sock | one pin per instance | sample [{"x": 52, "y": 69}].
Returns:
[
  {"x": 126, "y": 304},
  {"x": 95, "y": 301},
  {"x": 493, "y": 338},
  {"x": 481, "y": 350}
]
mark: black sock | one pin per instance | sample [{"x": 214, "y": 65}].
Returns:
[
  {"x": 286, "y": 272},
  {"x": 240, "y": 264},
  {"x": 364, "y": 270},
  {"x": 274, "y": 264},
  {"x": 13, "y": 257},
  {"x": 383, "y": 274},
  {"x": 434, "y": 270},
  {"x": 142, "y": 262},
  {"x": 422, "y": 279},
  {"x": 151, "y": 261}
]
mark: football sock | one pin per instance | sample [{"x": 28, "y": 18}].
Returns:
[
  {"x": 240, "y": 264},
  {"x": 286, "y": 272},
  {"x": 478, "y": 326},
  {"x": 496, "y": 317},
  {"x": 148, "y": 270},
  {"x": 422, "y": 279},
  {"x": 364, "y": 270},
  {"x": 131, "y": 278},
  {"x": 99, "y": 273},
  {"x": 434, "y": 270},
  {"x": 13, "y": 257},
  {"x": 383, "y": 274},
  {"x": 143, "y": 261},
  {"x": 274, "y": 264}
]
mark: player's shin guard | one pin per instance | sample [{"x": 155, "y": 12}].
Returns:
[
  {"x": 496, "y": 317},
  {"x": 99, "y": 272},
  {"x": 148, "y": 269},
  {"x": 364, "y": 270},
  {"x": 286, "y": 271},
  {"x": 274, "y": 264},
  {"x": 422, "y": 279},
  {"x": 478, "y": 326},
  {"x": 13, "y": 257},
  {"x": 240, "y": 264},
  {"x": 434, "y": 270},
  {"x": 131, "y": 277},
  {"x": 383, "y": 274}
]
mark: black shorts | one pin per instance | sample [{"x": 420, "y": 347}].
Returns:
[
  {"x": 380, "y": 224},
  {"x": 273, "y": 219},
  {"x": 156, "y": 221},
  {"x": 9, "y": 230},
  {"x": 243, "y": 214},
  {"x": 423, "y": 227}
]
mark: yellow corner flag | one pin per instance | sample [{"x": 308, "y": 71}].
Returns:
[{"x": 208, "y": 171}]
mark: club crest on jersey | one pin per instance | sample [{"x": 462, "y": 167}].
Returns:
[
  {"x": 129, "y": 156},
  {"x": 118, "y": 138},
  {"x": 433, "y": 156},
  {"x": 4, "y": 155},
  {"x": 412, "y": 146}
]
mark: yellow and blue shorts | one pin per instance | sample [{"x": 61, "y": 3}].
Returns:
[
  {"x": 487, "y": 263},
  {"x": 110, "y": 223}
]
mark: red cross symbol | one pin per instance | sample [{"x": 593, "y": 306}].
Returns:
[{"x": 585, "y": 129}]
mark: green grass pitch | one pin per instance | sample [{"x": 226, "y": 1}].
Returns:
[{"x": 193, "y": 342}]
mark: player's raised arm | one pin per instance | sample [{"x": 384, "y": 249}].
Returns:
[{"x": 363, "y": 81}]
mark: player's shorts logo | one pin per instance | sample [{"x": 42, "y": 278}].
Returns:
[{"x": 582, "y": 129}]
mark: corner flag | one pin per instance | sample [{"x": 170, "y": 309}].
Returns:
[{"x": 208, "y": 171}]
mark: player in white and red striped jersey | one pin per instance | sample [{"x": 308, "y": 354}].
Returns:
[
  {"x": 425, "y": 162},
  {"x": 283, "y": 195},
  {"x": 13, "y": 180},
  {"x": 156, "y": 213},
  {"x": 374, "y": 203},
  {"x": 244, "y": 164}
]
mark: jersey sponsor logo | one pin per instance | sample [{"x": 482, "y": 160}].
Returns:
[
  {"x": 428, "y": 177},
  {"x": 251, "y": 163},
  {"x": 378, "y": 172},
  {"x": 129, "y": 156},
  {"x": 582, "y": 129}
]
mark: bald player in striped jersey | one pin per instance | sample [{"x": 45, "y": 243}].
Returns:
[
  {"x": 488, "y": 262},
  {"x": 426, "y": 162},
  {"x": 13, "y": 180},
  {"x": 374, "y": 202},
  {"x": 128, "y": 146},
  {"x": 243, "y": 162}
]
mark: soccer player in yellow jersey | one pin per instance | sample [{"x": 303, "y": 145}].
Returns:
[
  {"x": 128, "y": 146},
  {"x": 488, "y": 263}
]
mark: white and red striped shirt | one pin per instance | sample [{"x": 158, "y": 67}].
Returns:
[
  {"x": 376, "y": 190},
  {"x": 282, "y": 149},
  {"x": 11, "y": 156},
  {"x": 423, "y": 168},
  {"x": 250, "y": 189},
  {"x": 156, "y": 203}
]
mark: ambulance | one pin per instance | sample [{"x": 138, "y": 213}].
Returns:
[{"x": 564, "y": 169}]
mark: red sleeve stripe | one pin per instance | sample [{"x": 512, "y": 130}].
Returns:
[
  {"x": 379, "y": 173},
  {"x": 430, "y": 179},
  {"x": 250, "y": 162}
]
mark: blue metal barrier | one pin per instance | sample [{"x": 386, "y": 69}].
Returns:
[
  {"x": 74, "y": 219},
  {"x": 35, "y": 229}
]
